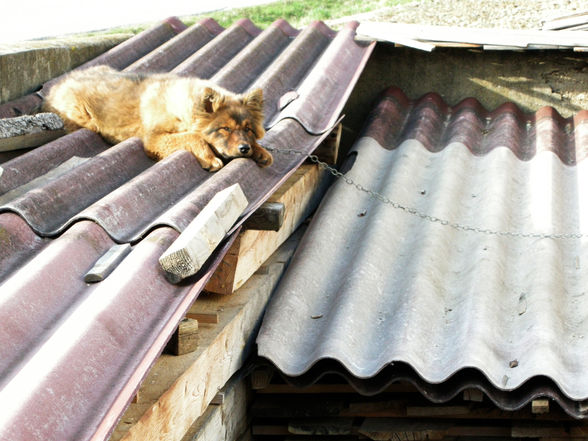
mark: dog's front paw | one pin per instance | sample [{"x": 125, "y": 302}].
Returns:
[
  {"x": 262, "y": 157},
  {"x": 211, "y": 163},
  {"x": 215, "y": 164},
  {"x": 207, "y": 159}
]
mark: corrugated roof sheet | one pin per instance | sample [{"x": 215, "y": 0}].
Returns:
[
  {"x": 381, "y": 293},
  {"x": 71, "y": 353}
]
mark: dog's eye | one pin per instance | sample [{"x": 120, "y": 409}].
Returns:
[
  {"x": 226, "y": 129},
  {"x": 248, "y": 129}
]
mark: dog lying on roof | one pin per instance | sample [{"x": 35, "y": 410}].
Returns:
[{"x": 167, "y": 112}]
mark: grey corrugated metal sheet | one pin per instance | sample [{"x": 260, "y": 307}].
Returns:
[
  {"x": 71, "y": 353},
  {"x": 380, "y": 294}
]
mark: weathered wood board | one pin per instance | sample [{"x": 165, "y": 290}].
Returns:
[
  {"x": 179, "y": 389},
  {"x": 300, "y": 195}
]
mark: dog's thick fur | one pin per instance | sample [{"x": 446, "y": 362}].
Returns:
[{"x": 166, "y": 111}]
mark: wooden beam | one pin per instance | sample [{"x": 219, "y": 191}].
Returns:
[
  {"x": 29, "y": 131},
  {"x": 328, "y": 150},
  {"x": 439, "y": 410},
  {"x": 321, "y": 426},
  {"x": 268, "y": 217},
  {"x": 300, "y": 195},
  {"x": 539, "y": 406},
  {"x": 473, "y": 394},
  {"x": 178, "y": 390},
  {"x": 538, "y": 430},
  {"x": 197, "y": 242},
  {"x": 107, "y": 263},
  {"x": 227, "y": 420},
  {"x": 202, "y": 317},
  {"x": 387, "y": 428},
  {"x": 261, "y": 377},
  {"x": 184, "y": 339}
]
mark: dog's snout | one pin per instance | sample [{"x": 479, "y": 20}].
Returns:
[{"x": 244, "y": 148}]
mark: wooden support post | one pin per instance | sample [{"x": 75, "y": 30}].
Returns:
[
  {"x": 185, "y": 339},
  {"x": 328, "y": 150},
  {"x": 261, "y": 377},
  {"x": 300, "y": 195},
  {"x": 472, "y": 394},
  {"x": 226, "y": 418},
  {"x": 540, "y": 406}
]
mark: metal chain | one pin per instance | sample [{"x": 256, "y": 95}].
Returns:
[{"x": 413, "y": 211}]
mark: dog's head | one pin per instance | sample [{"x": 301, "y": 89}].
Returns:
[{"x": 232, "y": 124}]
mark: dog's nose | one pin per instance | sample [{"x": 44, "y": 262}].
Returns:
[{"x": 244, "y": 148}]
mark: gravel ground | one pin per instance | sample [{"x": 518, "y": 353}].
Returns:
[{"x": 514, "y": 14}]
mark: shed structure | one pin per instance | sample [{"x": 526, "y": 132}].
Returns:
[{"x": 73, "y": 353}]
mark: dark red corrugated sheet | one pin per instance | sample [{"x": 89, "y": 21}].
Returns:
[{"x": 72, "y": 354}]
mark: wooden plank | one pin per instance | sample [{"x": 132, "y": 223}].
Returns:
[
  {"x": 319, "y": 388},
  {"x": 398, "y": 408},
  {"x": 300, "y": 194},
  {"x": 203, "y": 317},
  {"x": 481, "y": 431},
  {"x": 387, "y": 428},
  {"x": 178, "y": 390},
  {"x": 197, "y": 242},
  {"x": 29, "y": 131},
  {"x": 328, "y": 150},
  {"x": 537, "y": 430},
  {"x": 436, "y": 411},
  {"x": 473, "y": 394},
  {"x": 267, "y": 429},
  {"x": 226, "y": 420},
  {"x": 218, "y": 399},
  {"x": 268, "y": 217},
  {"x": 566, "y": 22},
  {"x": 261, "y": 377},
  {"x": 494, "y": 37},
  {"x": 321, "y": 426},
  {"x": 381, "y": 32},
  {"x": 540, "y": 406},
  {"x": 107, "y": 263},
  {"x": 571, "y": 438}
]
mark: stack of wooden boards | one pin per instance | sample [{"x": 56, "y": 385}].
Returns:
[
  {"x": 289, "y": 206},
  {"x": 196, "y": 390},
  {"x": 332, "y": 410}
]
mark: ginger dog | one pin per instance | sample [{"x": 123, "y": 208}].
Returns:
[{"x": 167, "y": 112}]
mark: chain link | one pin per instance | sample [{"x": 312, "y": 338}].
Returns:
[{"x": 413, "y": 211}]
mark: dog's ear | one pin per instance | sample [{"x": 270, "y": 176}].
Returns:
[
  {"x": 211, "y": 100},
  {"x": 254, "y": 100}
]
